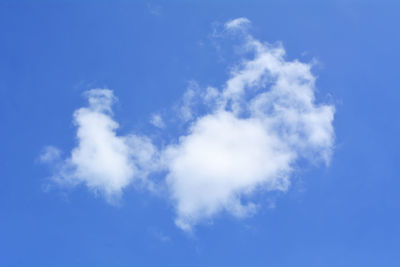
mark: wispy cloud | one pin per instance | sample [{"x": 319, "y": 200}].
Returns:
[
  {"x": 157, "y": 121},
  {"x": 154, "y": 10},
  {"x": 50, "y": 154},
  {"x": 239, "y": 23}
]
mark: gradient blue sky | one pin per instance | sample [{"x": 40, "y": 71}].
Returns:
[{"x": 346, "y": 214}]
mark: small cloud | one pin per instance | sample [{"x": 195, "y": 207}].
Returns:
[
  {"x": 239, "y": 23},
  {"x": 161, "y": 236},
  {"x": 102, "y": 160},
  {"x": 50, "y": 154},
  {"x": 157, "y": 121}
]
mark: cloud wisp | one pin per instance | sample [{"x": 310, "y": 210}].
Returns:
[{"x": 248, "y": 138}]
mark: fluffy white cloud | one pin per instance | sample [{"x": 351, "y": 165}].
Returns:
[
  {"x": 247, "y": 137},
  {"x": 221, "y": 159},
  {"x": 102, "y": 160},
  {"x": 261, "y": 122}
]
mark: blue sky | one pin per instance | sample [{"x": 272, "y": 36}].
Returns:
[{"x": 197, "y": 173}]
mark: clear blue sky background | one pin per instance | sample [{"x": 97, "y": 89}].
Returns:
[{"x": 346, "y": 214}]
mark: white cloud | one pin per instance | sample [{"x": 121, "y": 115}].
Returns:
[
  {"x": 102, "y": 160},
  {"x": 246, "y": 137},
  {"x": 239, "y": 23},
  {"x": 262, "y": 121},
  {"x": 221, "y": 159}
]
